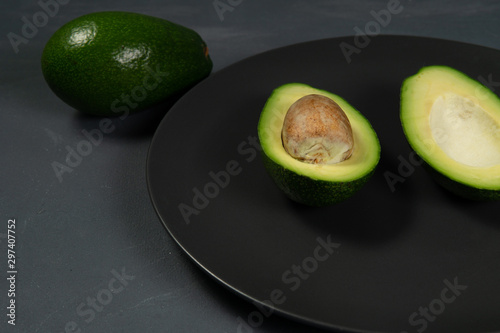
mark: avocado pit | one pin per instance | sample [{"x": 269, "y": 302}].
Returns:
[{"x": 316, "y": 130}]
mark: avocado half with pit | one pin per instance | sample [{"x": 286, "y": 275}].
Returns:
[
  {"x": 317, "y": 148},
  {"x": 453, "y": 123}
]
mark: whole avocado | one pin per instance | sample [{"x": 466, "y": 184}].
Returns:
[{"x": 114, "y": 63}]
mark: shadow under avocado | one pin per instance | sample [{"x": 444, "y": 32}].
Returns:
[
  {"x": 374, "y": 215},
  {"x": 485, "y": 210},
  {"x": 138, "y": 124}
]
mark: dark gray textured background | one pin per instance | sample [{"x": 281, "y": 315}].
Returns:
[{"x": 73, "y": 236}]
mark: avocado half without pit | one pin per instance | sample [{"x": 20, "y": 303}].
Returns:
[
  {"x": 317, "y": 148},
  {"x": 453, "y": 123}
]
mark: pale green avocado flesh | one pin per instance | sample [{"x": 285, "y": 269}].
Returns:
[
  {"x": 315, "y": 184},
  {"x": 453, "y": 123}
]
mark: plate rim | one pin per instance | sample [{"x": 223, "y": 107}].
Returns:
[{"x": 242, "y": 295}]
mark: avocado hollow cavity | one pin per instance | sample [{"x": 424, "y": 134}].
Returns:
[
  {"x": 453, "y": 123},
  {"x": 465, "y": 131},
  {"x": 316, "y": 130}
]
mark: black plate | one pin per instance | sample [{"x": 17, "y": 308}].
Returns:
[{"x": 402, "y": 257}]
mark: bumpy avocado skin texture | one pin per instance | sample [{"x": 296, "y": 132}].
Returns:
[
  {"x": 452, "y": 184},
  {"x": 312, "y": 192},
  {"x": 111, "y": 63}
]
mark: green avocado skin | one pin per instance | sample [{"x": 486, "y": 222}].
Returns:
[
  {"x": 312, "y": 192},
  {"x": 459, "y": 189},
  {"x": 111, "y": 63}
]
